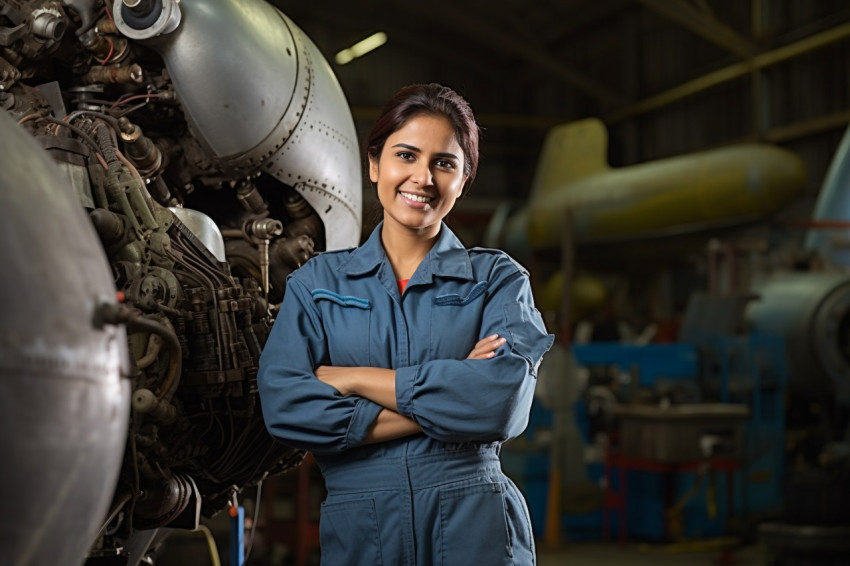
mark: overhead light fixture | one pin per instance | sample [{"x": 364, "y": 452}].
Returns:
[{"x": 361, "y": 48}]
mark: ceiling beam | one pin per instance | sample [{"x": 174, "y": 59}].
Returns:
[
  {"x": 703, "y": 24},
  {"x": 587, "y": 17},
  {"x": 473, "y": 28},
  {"x": 731, "y": 72}
]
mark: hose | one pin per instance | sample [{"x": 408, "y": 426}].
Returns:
[
  {"x": 110, "y": 313},
  {"x": 214, "y": 556},
  {"x": 107, "y": 146},
  {"x": 175, "y": 358},
  {"x": 151, "y": 352}
]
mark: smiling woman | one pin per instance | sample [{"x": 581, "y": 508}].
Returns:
[
  {"x": 419, "y": 176},
  {"x": 405, "y": 363}
]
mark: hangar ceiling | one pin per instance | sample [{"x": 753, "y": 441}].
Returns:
[{"x": 648, "y": 68}]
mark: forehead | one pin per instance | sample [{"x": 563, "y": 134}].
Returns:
[{"x": 427, "y": 131}]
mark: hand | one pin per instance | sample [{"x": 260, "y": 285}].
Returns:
[
  {"x": 336, "y": 377},
  {"x": 486, "y": 347}
]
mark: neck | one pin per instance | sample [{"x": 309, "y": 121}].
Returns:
[{"x": 405, "y": 248}]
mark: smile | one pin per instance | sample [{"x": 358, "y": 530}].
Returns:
[{"x": 415, "y": 198}]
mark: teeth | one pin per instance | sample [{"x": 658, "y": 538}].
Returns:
[{"x": 416, "y": 198}]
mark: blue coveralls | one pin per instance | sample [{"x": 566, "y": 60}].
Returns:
[{"x": 438, "y": 497}]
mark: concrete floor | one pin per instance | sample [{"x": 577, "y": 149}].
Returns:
[
  {"x": 612, "y": 554},
  {"x": 182, "y": 549}
]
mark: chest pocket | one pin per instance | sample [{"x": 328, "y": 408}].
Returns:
[
  {"x": 347, "y": 324},
  {"x": 456, "y": 322}
]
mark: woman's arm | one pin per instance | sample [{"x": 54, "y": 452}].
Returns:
[
  {"x": 389, "y": 425},
  {"x": 482, "y": 400},
  {"x": 378, "y": 384},
  {"x": 375, "y": 384},
  {"x": 298, "y": 409}
]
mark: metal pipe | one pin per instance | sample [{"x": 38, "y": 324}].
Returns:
[
  {"x": 108, "y": 226},
  {"x": 729, "y": 73},
  {"x": 815, "y": 125},
  {"x": 703, "y": 24},
  {"x": 160, "y": 410},
  {"x": 139, "y": 195},
  {"x": 135, "y": 323},
  {"x": 151, "y": 353}
]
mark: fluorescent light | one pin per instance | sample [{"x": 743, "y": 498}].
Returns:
[{"x": 361, "y": 48}]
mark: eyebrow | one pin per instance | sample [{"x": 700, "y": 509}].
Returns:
[{"x": 416, "y": 149}]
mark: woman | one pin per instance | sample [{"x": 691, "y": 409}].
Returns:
[{"x": 405, "y": 363}]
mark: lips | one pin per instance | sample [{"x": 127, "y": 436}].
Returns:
[{"x": 416, "y": 198}]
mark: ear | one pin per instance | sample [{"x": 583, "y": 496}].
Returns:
[
  {"x": 462, "y": 185},
  {"x": 373, "y": 169}
]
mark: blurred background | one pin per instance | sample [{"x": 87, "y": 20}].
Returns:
[{"x": 671, "y": 172}]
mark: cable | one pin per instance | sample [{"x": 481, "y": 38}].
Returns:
[
  {"x": 136, "y": 481},
  {"x": 101, "y": 115},
  {"x": 28, "y": 117},
  {"x": 120, "y": 501},
  {"x": 214, "y": 555},
  {"x": 102, "y": 162},
  {"x": 74, "y": 129},
  {"x": 256, "y": 517},
  {"x": 123, "y": 100},
  {"x": 109, "y": 54}
]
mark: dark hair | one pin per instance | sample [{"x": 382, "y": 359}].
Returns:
[{"x": 434, "y": 99}]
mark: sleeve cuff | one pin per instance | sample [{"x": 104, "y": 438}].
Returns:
[
  {"x": 404, "y": 381},
  {"x": 365, "y": 413}
]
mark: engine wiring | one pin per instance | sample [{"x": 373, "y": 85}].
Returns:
[{"x": 195, "y": 321}]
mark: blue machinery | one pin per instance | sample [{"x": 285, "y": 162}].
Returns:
[
  {"x": 748, "y": 370},
  {"x": 237, "y": 535}
]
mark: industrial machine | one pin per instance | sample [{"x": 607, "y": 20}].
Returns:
[
  {"x": 779, "y": 348},
  {"x": 811, "y": 310},
  {"x": 164, "y": 165}
]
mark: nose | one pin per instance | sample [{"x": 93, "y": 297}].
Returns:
[{"x": 422, "y": 175}]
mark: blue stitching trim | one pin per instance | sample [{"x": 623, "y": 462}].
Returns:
[
  {"x": 343, "y": 300},
  {"x": 474, "y": 293}
]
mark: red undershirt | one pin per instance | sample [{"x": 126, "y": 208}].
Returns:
[{"x": 402, "y": 285}]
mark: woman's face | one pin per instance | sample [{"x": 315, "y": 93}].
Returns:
[{"x": 419, "y": 174}]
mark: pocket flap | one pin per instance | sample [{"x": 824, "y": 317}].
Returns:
[
  {"x": 459, "y": 300},
  {"x": 342, "y": 300}
]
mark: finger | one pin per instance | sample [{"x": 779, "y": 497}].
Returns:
[
  {"x": 476, "y": 353},
  {"x": 486, "y": 342},
  {"x": 486, "y": 348},
  {"x": 483, "y": 346}
]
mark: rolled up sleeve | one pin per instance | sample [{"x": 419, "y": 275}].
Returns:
[
  {"x": 482, "y": 400},
  {"x": 299, "y": 410}
]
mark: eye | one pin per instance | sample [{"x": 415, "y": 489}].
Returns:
[
  {"x": 445, "y": 164},
  {"x": 405, "y": 155}
]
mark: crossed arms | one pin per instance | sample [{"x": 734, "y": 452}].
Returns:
[{"x": 378, "y": 385}]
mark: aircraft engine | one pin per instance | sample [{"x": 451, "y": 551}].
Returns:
[
  {"x": 213, "y": 151},
  {"x": 65, "y": 404}
]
